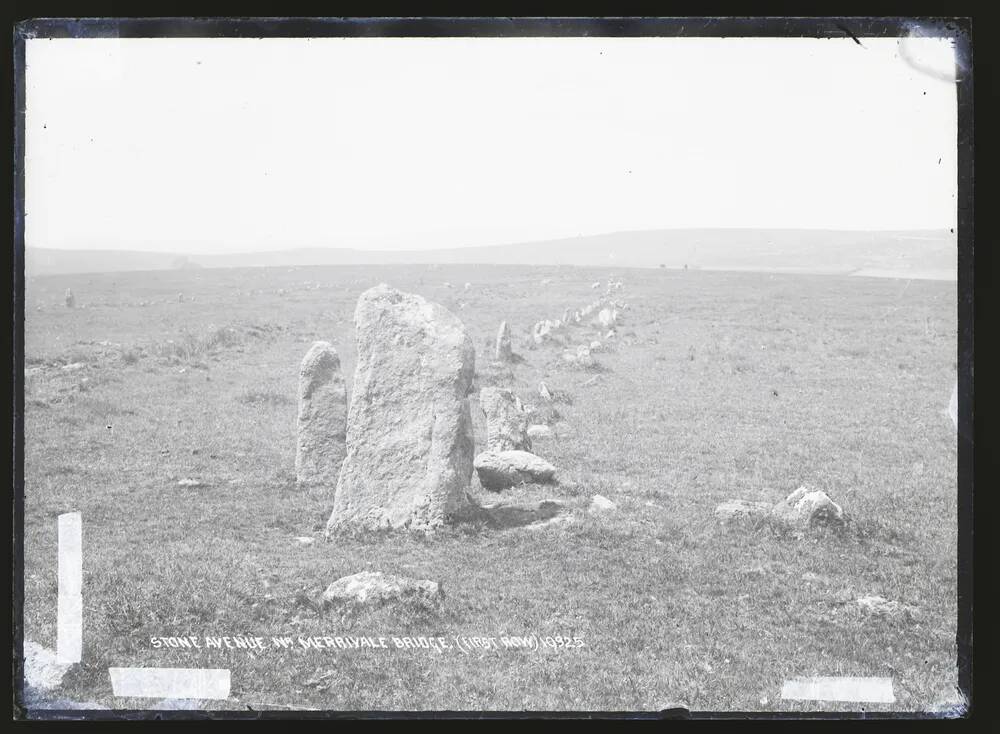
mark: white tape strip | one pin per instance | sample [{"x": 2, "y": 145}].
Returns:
[
  {"x": 854, "y": 690},
  {"x": 69, "y": 612},
  {"x": 198, "y": 683}
]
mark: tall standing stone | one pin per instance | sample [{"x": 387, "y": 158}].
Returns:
[
  {"x": 409, "y": 427},
  {"x": 504, "y": 352},
  {"x": 70, "y": 298},
  {"x": 506, "y": 420},
  {"x": 322, "y": 417}
]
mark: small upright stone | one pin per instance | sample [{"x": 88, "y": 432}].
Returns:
[
  {"x": 504, "y": 352},
  {"x": 70, "y": 298},
  {"x": 506, "y": 421},
  {"x": 409, "y": 428},
  {"x": 322, "y": 422}
]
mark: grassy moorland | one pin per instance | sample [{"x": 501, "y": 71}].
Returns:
[{"x": 719, "y": 386}]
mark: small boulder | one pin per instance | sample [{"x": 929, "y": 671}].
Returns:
[
  {"x": 375, "y": 589},
  {"x": 806, "y": 507},
  {"x": 600, "y": 503},
  {"x": 503, "y": 469}
]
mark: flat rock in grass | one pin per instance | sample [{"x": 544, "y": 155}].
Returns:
[
  {"x": 881, "y": 607},
  {"x": 806, "y": 507},
  {"x": 190, "y": 483},
  {"x": 503, "y": 469},
  {"x": 322, "y": 418},
  {"x": 600, "y": 503},
  {"x": 409, "y": 427},
  {"x": 738, "y": 510},
  {"x": 376, "y": 589},
  {"x": 305, "y": 540},
  {"x": 539, "y": 431}
]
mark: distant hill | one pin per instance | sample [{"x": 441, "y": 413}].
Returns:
[{"x": 923, "y": 253}]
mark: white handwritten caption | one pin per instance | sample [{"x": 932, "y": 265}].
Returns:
[{"x": 459, "y": 643}]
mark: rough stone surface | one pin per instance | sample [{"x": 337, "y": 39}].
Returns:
[
  {"x": 736, "y": 510},
  {"x": 322, "y": 423},
  {"x": 409, "y": 427},
  {"x": 506, "y": 421},
  {"x": 502, "y": 469},
  {"x": 607, "y": 317},
  {"x": 807, "y": 506},
  {"x": 375, "y": 589},
  {"x": 543, "y": 390},
  {"x": 503, "y": 352}
]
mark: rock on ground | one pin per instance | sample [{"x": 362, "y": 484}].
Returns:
[
  {"x": 600, "y": 503},
  {"x": 503, "y": 469},
  {"x": 409, "y": 427},
  {"x": 503, "y": 352},
  {"x": 375, "y": 589},
  {"x": 806, "y": 507},
  {"x": 506, "y": 421},
  {"x": 322, "y": 421},
  {"x": 735, "y": 510}
]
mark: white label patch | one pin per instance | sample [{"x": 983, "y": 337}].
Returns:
[
  {"x": 198, "y": 683},
  {"x": 868, "y": 690}
]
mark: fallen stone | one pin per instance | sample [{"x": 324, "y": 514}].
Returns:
[
  {"x": 409, "y": 429},
  {"x": 322, "y": 419},
  {"x": 190, "y": 483},
  {"x": 376, "y": 589},
  {"x": 503, "y": 469},
  {"x": 305, "y": 540},
  {"x": 737, "y": 510},
  {"x": 600, "y": 503},
  {"x": 806, "y": 507}
]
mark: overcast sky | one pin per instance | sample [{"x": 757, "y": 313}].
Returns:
[{"x": 225, "y": 145}]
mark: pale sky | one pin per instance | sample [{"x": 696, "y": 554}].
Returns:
[{"x": 229, "y": 145}]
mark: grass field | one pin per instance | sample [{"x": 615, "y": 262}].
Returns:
[{"x": 719, "y": 386}]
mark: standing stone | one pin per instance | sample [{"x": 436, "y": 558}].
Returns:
[
  {"x": 409, "y": 427},
  {"x": 504, "y": 352},
  {"x": 70, "y": 298},
  {"x": 506, "y": 421},
  {"x": 322, "y": 417}
]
